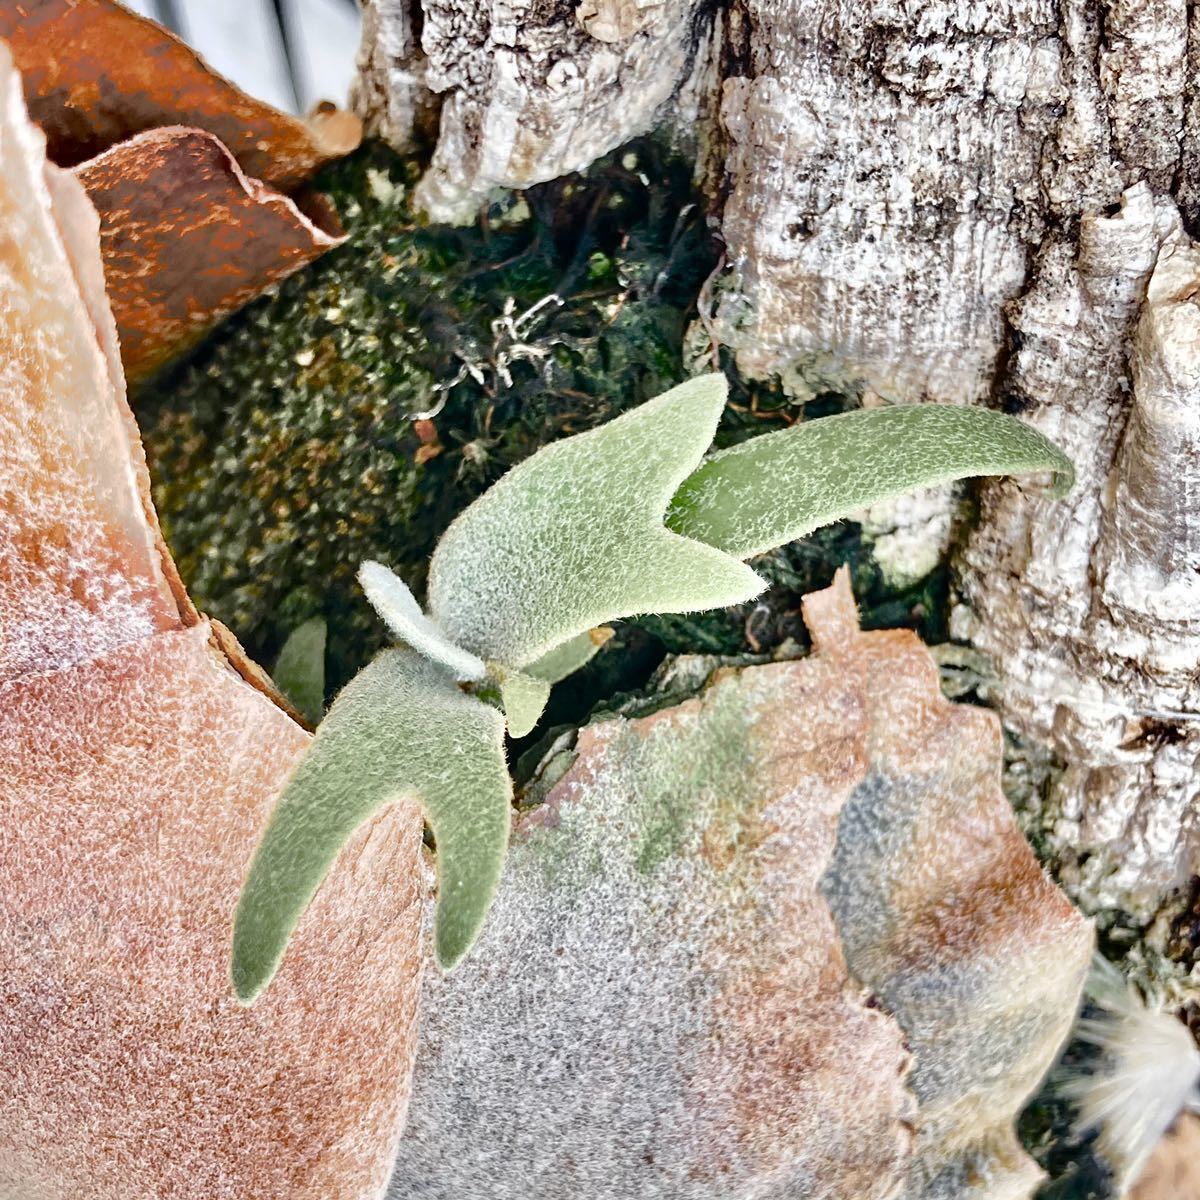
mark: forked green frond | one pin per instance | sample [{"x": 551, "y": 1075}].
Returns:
[
  {"x": 401, "y": 728},
  {"x": 571, "y": 656},
  {"x": 523, "y": 698},
  {"x": 607, "y": 524},
  {"x": 574, "y": 536},
  {"x": 773, "y": 489}
]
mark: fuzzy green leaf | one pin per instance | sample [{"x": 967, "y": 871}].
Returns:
[
  {"x": 571, "y": 656},
  {"x": 773, "y": 489},
  {"x": 300, "y": 669},
  {"x": 574, "y": 536},
  {"x": 401, "y": 728},
  {"x": 523, "y": 698},
  {"x": 392, "y": 600}
]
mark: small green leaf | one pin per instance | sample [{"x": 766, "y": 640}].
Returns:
[
  {"x": 778, "y": 487},
  {"x": 401, "y": 728},
  {"x": 574, "y": 536},
  {"x": 523, "y": 698},
  {"x": 300, "y": 669},
  {"x": 571, "y": 656},
  {"x": 401, "y": 613}
]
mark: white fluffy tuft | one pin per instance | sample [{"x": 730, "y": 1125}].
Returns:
[{"x": 1149, "y": 1072}]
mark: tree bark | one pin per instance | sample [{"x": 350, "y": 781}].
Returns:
[{"x": 946, "y": 200}]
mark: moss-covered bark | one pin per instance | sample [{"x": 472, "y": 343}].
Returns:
[{"x": 352, "y": 414}]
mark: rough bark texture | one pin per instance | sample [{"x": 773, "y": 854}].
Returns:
[
  {"x": 530, "y": 91},
  {"x": 1092, "y": 605},
  {"x": 946, "y": 200}
]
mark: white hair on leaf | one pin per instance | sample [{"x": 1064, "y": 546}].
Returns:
[
  {"x": 397, "y": 606},
  {"x": 1147, "y": 1073}
]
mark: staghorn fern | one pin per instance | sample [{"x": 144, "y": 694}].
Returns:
[{"x": 622, "y": 520}]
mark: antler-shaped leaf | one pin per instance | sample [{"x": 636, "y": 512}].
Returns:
[
  {"x": 773, "y": 489},
  {"x": 574, "y": 536},
  {"x": 402, "y": 727}
]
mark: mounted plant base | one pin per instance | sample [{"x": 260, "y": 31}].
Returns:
[{"x": 618, "y": 521}]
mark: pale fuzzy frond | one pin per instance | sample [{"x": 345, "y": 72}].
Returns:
[
  {"x": 1148, "y": 1072},
  {"x": 773, "y": 489},
  {"x": 397, "y": 606},
  {"x": 571, "y": 656},
  {"x": 401, "y": 729},
  {"x": 574, "y": 536},
  {"x": 523, "y": 698}
]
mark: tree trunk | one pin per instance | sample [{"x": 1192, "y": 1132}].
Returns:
[{"x": 946, "y": 200}]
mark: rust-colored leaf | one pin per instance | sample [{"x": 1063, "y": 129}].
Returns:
[
  {"x": 96, "y": 73},
  {"x": 663, "y": 1002},
  {"x": 188, "y": 239},
  {"x": 139, "y": 768}
]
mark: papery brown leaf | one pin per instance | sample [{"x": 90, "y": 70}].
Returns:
[
  {"x": 945, "y": 913},
  {"x": 96, "y": 73},
  {"x": 660, "y": 1005},
  {"x": 139, "y": 769},
  {"x": 135, "y": 787},
  {"x": 82, "y": 569},
  {"x": 188, "y": 238}
]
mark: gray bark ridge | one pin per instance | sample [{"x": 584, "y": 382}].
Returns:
[
  {"x": 981, "y": 203},
  {"x": 528, "y": 91},
  {"x": 947, "y": 200},
  {"x": 1092, "y": 605}
]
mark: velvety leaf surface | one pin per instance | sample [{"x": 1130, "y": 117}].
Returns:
[
  {"x": 397, "y": 606},
  {"x": 523, "y": 698},
  {"x": 402, "y": 730},
  {"x": 570, "y": 656},
  {"x": 659, "y": 1005},
  {"x": 773, "y": 489},
  {"x": 574, "y": 536}
]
